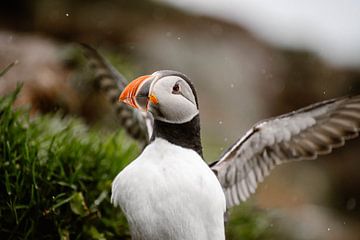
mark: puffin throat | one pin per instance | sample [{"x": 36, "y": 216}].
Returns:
[{"x": 186, "y": 134}]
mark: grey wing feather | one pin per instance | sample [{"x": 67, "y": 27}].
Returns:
[
  {"x": 138, "y": 125},
  {"x": 299, "y": 135}
]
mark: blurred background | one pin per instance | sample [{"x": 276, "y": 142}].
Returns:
[{"x": 249, "y": 60}]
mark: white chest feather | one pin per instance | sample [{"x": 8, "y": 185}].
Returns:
[{"x": 168, "y": 192}]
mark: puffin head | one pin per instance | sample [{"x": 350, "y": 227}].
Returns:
[{"x": 168, "y": 95}]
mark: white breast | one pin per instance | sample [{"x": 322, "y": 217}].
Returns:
[{"x": 169, "y": 192}]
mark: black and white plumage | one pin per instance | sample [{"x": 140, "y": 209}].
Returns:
[{"x": 169, "y": 193}]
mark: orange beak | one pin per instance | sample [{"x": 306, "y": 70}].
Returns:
[{"x": 136, "y": 94}]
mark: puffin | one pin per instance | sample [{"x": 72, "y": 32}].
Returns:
[{"x": 169, "y": 191}]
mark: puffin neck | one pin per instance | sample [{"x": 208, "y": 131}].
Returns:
[{"x": 186, "y": 135}]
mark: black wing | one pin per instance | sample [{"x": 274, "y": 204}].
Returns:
[
  {"x": 138, "y": 125},
  {"x": 300, "y": 135}
]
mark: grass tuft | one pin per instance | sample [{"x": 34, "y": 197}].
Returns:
[
  {"x": 56, "y": 177},
  {"x": 7, "y": 68}
]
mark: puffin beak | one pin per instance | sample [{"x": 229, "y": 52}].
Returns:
[{"x": 136, "y": 94}]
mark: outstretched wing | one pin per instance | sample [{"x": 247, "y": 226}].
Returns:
[
  {"x": 300, "y": 135},
  {"x": 138, "y": 125}
]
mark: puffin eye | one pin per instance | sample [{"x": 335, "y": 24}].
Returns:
[{"x": 176, "y": 88}]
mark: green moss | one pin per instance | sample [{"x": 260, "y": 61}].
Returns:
[{"x": 56, "y": 177}]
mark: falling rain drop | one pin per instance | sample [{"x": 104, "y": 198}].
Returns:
[
  {"x": 66, "y": 14},
  {"x": 220, "y": 122}
]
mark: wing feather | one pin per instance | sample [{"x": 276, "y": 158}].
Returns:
[
  {"x": 300, "y": 135},
  {"x": 138, "y": 125}
]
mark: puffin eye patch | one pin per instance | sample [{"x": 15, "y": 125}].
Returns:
[{"x": 176, "y": 88}]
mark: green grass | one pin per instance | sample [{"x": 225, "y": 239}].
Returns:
[
  {"x": 56, "y": 177},
  {"x": 248, "y": 223},
  {"x": 7, "y": 68}
]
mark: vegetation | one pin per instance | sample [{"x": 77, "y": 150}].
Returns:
[
  {"x": 248, "y": 222},
  {"x": 56, "y": 177}
]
